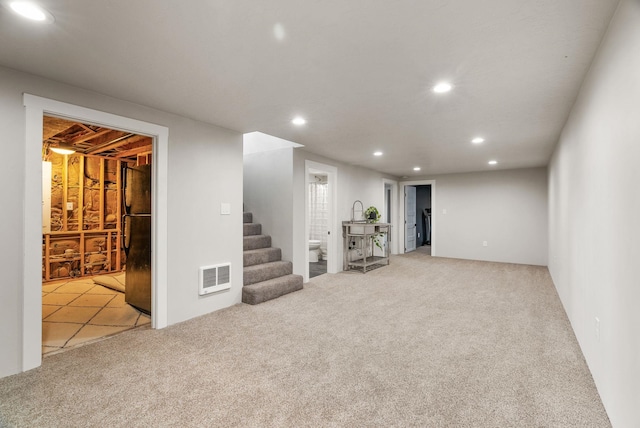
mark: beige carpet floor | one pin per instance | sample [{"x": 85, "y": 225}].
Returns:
[{"x": 424, "y": 342}]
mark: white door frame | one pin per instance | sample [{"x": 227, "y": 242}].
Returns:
[
  {"x": 434, "y": 224},
  {"x": 35, "y": 108},
  {"x": 394, "y": 213},
  {"x": 333, "y": 262}
]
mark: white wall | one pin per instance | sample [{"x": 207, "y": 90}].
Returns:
[
  {"x": 594, "y": 211},
  {"x": 205, "y": 169},
  {"x": 353, "y": 183},
  {"x": 506, "y": 208},
  {"x": 268, "y": 184}
]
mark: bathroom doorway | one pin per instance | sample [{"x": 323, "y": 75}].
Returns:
[
  {"x": 318, "y": 222},
  {"x": 320, "y": 227}
]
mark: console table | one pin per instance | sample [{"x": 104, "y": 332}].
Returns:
[{"x": 360, "y": 236}]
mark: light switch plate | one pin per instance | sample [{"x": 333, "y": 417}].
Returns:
[{"x": 225, "y": 208}]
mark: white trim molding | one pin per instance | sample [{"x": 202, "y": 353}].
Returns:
[{"x": 395, "y": 224}]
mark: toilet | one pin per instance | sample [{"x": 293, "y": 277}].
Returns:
[
  {"x": 323, "y": 252},
  {"x": 314, "y": 250}
]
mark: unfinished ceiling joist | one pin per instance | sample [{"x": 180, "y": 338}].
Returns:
[{"x": 93, "y": 140}]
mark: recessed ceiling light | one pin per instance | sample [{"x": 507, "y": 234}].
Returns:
[
  {"x": 377, "y": 153},
  {"x": 442, "y": 87},
  {"x": 478, "y": 140},
  {"x": 278, "y": 32},
  {"x": 417, "y": 168},
  {"x": 493, "y": 162},
  {"x": 31, "y": 11},
  {"x": 299, "y": 121}
]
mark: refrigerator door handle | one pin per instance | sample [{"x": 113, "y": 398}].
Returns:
[{"x": 126, "y": 232}]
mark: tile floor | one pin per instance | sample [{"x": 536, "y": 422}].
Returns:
[
  {"x": 76, "y": 312},
  {"x": 317, "y": 268}
]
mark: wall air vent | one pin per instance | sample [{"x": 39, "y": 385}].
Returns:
[{"x": 214, "y": 278}]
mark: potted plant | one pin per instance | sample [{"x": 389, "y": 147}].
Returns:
[{"x": 371, "y": 215}]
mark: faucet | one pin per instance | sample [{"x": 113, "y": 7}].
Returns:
[{"x": 353, "y": 211}]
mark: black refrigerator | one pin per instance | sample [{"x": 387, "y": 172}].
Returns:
[{"x": 137, "y": 236}]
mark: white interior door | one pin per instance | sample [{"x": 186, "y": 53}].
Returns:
[{"x": 409, "y": 218}]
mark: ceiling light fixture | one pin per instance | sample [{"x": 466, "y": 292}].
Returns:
[
  {"x": 31, "y": 11},
  {"x": 377, "y": 153},
  {"x": 63, "y": 149},
  {"x": 478, "y": 140},
  {"x": 278, "y": 32},
  {"x": 442, "y": 87},
  {"x": 493, "y": 162},
  {"x": 299, "y": 121},
  {"x": 416, "y": 168}
]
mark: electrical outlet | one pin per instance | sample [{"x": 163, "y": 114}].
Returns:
[
  {"x": 597, "y": 328},
  {"x": 485, "y": 244}
]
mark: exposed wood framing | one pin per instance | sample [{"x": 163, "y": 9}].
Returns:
[
  {"x": 119, "y": 215},
  {"x": 81, "y": 195},
  {"x": 65, "y": 190},
  {"x": 102, "y": 198},
  {"x": 114, "y": 144},
  {"x": 90, "y": 141},
  {"x": 134, "y": 152}
]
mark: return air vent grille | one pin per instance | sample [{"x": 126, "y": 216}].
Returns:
[{"x": 214, "y": 278}]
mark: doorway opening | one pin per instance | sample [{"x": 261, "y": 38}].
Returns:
[
  {"x": 35, "y": 110},
  {"x": 96, "y": 232},
  {"x": 423, "y": 219},
  {"x": 418, "y": 206},
  {"x": 318, "y": 222},
  {"x": 320, "y": 196},
  {"x": 389, "y": 212}
]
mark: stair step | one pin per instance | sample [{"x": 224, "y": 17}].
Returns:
[
  {"x": 254, "y": 242},
  {"x": 271, "y": 289},
  {"x": 261, "y": 255},
  {"x": 266, "y": 271},
  {"x": 251, "y": 229},
  {"x": 247, "y": 218}
]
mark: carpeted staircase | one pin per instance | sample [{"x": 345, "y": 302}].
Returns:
[{"x": 266, "y": 276}]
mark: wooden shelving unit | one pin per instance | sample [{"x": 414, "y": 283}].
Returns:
[{"x": 363, "y": 236}]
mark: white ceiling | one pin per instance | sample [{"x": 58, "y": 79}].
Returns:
[{"x": 360, "y": 71}]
